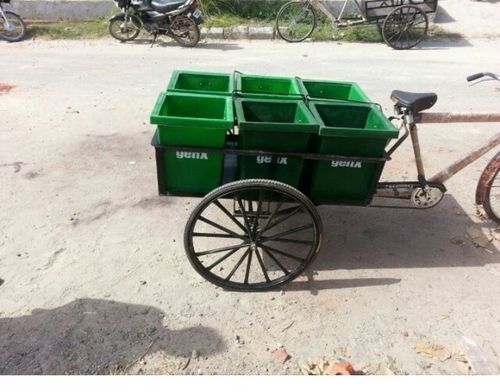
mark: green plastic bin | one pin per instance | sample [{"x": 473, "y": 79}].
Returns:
[
  {"x": 347, "y": 129},
  {"x": 189, "y": 120},
  {"x": 201, "y": 83},
  {"x": 276, "y": 126},
  {"x": 326, "y": 90},
  {"x": 267, "y": 87}
]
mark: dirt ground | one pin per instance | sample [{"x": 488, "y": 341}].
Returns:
[{"x": 93, "y": 276}]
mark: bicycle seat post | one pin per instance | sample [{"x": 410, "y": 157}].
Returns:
[{"x": 409, "y": 120}]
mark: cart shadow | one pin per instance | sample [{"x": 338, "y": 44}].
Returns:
[
  {"x": 377, "y": 238},
  {"x": 314, "y": 285},
  {"x": 94, "y": 336}
]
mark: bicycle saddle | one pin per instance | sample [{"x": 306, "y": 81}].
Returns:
[
  {"x": 164, "y": 6},
  {"x": 416, "y": 102}
]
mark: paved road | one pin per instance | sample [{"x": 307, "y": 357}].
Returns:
[{"x": 85, "y": 238}]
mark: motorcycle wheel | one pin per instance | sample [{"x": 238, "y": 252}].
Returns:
[
  {"x": 185, "y": 31},
  {"x": 117, "y": 30},
  {"x": 17, "y": 29}
]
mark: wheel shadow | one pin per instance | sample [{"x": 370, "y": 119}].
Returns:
[
  {"x": 386, "y": 238},
  {"x": 94, "y": 336},
  {"x": 375, "y": 238}
]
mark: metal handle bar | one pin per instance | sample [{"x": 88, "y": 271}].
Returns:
[{"x": 482, "y": 75}]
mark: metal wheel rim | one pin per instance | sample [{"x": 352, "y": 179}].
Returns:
[
  {"x": 250, "y": 253},
  {"x": 295, "y": 21},
  {"x": 493, "y": 196},
  {"x": 405, "y": 27},
  {"x": 16, "y": 31},
  {"x": 131, "y": 32}
]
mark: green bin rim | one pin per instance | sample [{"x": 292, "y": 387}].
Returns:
[
  {"x": 238, "y": 88},
  {"x": 390, "y": 132},
  {"x": 176, "y": 73},
  {"x": 157, "y": 119},
  {"x": 310, "y": 127},
  {"x": 304, "y": 92}
]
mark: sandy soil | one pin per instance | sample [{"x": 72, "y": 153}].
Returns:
[{"x": 93, "y": 273}]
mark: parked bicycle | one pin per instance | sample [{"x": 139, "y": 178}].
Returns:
[
  {"x": 12, "y": 27},
  {"x": 403, "y": 24},
  {"x": 178, "y": 19}
]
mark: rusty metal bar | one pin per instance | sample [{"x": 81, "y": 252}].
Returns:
[
  {"x": 448, "y": 117},
  {"x": 416, "y": 151},
  {"x": 451, "y": 170},
  {"x": 486, "y": 177}
]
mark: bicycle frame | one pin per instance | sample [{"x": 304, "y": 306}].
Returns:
[
  {"x": 338, "y": 18},
  {"x": 460, "y": 164}
]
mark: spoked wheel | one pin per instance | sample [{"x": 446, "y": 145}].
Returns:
[
  {"x": 12, "y": 29},
  {"x": 185, "y": 31},
  {"x": 491, "y": 202},
  {"x": 296, "y": 21},
  {"x": 253, "y": 235},
  {"x": 405, "y": 27},
  {"x": 124, "y": 31}
]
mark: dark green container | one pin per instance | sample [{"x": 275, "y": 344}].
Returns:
[
  {"x": 192, "y": 121},
  {"x": 267, "y": 87},
  {"x": 276, "y": 126},
  {"x": 347, "y": 129},
  {"x": 323, "y": 89},
  {"x": 201, "y": 83}
]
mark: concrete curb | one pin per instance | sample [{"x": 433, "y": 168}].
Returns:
[{"x": 239, "y": 32}]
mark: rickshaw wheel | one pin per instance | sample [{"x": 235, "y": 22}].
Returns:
[
  {"x": 253, "y": 235},
  {"x": 405, "y": 27}
]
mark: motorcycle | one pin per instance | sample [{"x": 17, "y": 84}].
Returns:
[
  {"x": 12, "y": 27},
  {"x": 178, "y": 19}
]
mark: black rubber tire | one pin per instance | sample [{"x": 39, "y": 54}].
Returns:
[
  {"x": 13, "y": 18},
  {"x": 118, "y": 19},
  {"x": 194, "y": 31},
  {"x": 492, "y": 209},
  {"x": 398, "y": 24},
  {"x": 252, "y": 185},
  {"x": 281, "y": 29}
]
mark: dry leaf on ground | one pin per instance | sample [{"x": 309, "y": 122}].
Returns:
[
  {"x": 429, "y": 350},
  {"x": 477, "y": 237}
]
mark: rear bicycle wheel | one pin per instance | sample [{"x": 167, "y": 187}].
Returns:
[
  {"x": 491, "y": 202},
  {"x": 296, "y": 21},
  {"x": 13, "y": 28},
  {"x": 253, "y": 235},
  {"x": 405, "y": 27}
]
